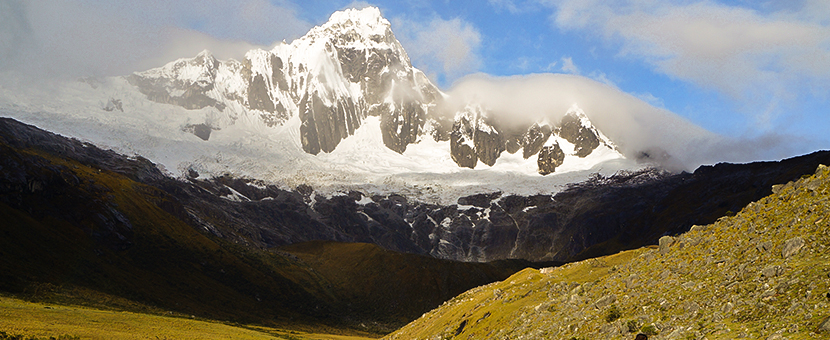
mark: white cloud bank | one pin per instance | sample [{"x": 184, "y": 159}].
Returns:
[
  {"x": 631, "y": 122},
  {"x": 86, "y": 37},
  {"x": 760, "y": 59},
  {"x": 443, "y": 49}
]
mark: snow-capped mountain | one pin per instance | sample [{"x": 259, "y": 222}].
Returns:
[
  {"x": 340, "y": 108},
  {"x": 332, "y": 79},
  {"x": 348, "y": 69}
]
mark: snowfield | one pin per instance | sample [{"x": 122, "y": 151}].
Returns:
[{"x": 246, "y": 147}]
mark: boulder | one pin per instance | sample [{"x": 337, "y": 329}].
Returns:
[
  {"x": 664, "y": 243},
  {"x": 792, "y": 247}
]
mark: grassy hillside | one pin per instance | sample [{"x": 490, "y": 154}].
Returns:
[
  {"x": 761, "y": 274},
  {"x": 101, "y": 231},
  {"x": 28, "y": 320},
  {"x": 74, "y": 233},
  {"x": 395, "y": 287}
]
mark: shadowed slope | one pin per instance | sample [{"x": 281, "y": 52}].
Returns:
[{"x": 78, "y": 227}]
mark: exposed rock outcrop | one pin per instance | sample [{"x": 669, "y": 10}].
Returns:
[
  {"x": 550, "y": 157},
  {"x": 576, "y": 128}
]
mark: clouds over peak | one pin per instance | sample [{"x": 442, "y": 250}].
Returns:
[
  {"x": 87, "y": 37},
  {"x": 756, "y": 56},
  {"x": 443, "y": 49}
]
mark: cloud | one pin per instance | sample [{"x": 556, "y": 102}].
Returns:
[
  {"x": 357, "y": 4},
  {"x": 651, "y": 99},
  {"x": 69, "y": 39},
  {"x": 445, "y": 48},
  {"x": 568, "y": 66},
  {"x": 756, "y": 58},
  {"x": 509, "y": 5},
  {"x": 551, "y": 67},
  {"x": 602, "y": 78},
  {"x": 631, "y": 122}
]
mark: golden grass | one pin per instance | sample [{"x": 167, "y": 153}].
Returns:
[
  {"x": 709, "y": 285},
  {"x": 42, "y": 321}
]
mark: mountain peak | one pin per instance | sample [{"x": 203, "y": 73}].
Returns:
[
  {"x": 368, "y": 23},
  {"x": 576, "y": 112},
  {"x": 576, "y": 120},
  {"x": 368, "y": 16}
]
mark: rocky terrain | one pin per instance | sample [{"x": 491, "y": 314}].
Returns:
[
  {"x": 760, "y": 274},
  {"x": 598, "y": 217}
]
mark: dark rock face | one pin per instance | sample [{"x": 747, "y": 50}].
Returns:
[
  {"x": 193, "y": 96},
  {"x": 479, "y": 200},
  {"x": 533, "y": 140},
  {"x": 489, "y": 145},
  {"x": 490, "y": 139},
  {"x": 585, "y": 140},
  {"x": 323, "y": 126},
  {"x": 473, "y": 138},
  {"x": 200, "y": 130},
  {"x": 626, "y": 210},
  {"x": 277, "y": 73},
  {"x": 549, "y": 158},
  {"x": 401, "y": 126},
  {"x": 263, "y": 90},
  {"x": 258, "y": 97},
  {"x": 461, "y": 151},
  {"x": 512, "y": 143}
]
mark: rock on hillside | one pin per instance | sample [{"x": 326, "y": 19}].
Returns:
[{"x": 761, "y": 274}]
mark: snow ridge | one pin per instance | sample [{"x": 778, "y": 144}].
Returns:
[{"x": 340, "y": 108}]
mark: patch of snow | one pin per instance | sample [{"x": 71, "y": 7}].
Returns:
[
  {"x": 365, "y": 200},
  {"x": 235, "y": 196},
  {"x": 446, "y": 223}
]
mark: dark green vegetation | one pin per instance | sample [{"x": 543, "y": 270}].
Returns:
[
  {"x": 763, "y": 273},
  {"x": 79, "y": 226}
]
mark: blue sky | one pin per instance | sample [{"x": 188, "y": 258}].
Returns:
[{"x": 758, "y": 70}]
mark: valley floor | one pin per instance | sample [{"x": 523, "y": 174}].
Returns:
[{"x": 42, "y": 321}]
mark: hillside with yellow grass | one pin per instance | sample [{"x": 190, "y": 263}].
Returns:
[{"x": 761, "y": 274}]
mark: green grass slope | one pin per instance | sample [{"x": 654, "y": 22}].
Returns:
[
  {"x": 762, "y": 274},
  {"x": 21, "y": 320},
  {"x": 395, "y": 287},
  {"x": 73, "y": 233}
]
